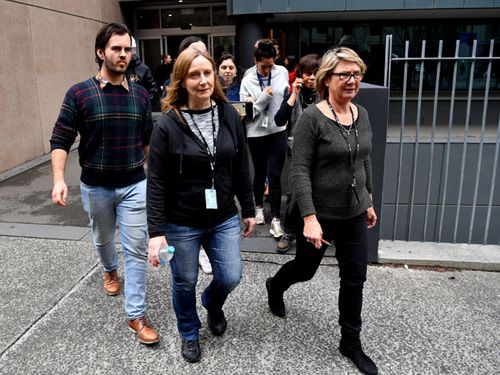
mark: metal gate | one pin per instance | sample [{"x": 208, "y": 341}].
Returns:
[{"x": 441, "y": 181}]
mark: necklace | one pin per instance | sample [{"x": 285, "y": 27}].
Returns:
[
  {"x": 346, "y": 129},
  {"x": 345, "y": 134}
]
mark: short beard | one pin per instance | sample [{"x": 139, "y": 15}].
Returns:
[{"x": 114, "y": 68}]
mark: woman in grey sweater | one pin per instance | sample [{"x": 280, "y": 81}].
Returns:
[{"x": 332, "y": 184}]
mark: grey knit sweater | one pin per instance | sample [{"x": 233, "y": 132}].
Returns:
[{"x": 322, "y": 173}]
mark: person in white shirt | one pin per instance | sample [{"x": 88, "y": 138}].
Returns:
[{"x": 265, "y": 84}]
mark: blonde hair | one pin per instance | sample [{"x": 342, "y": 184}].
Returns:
[
  {"x": 328, "y": 63},
  {"x": 177, "y": 94}
]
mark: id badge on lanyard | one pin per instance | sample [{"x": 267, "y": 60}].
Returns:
[
  {"x": 211, "y": 199},
  {"x": 265, "y": 120},
  {"x": 210, "y": 194}
]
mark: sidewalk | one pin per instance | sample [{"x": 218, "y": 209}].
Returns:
[{"x": 57, "y": 320}]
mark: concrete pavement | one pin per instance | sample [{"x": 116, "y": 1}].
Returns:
[{"x": 57, "y": 320}]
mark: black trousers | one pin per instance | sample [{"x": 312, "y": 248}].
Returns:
[
  {"x": 268, "y": 158},
  {"x": 351, "y": 244},
  {"x": 287, "y": 227}
]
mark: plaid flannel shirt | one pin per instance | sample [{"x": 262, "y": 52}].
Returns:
[{"x": 114, "y": 123}]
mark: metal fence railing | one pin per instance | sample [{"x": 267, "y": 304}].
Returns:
[{"x": 446, "y": 188}]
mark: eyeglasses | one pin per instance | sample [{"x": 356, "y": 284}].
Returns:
[{"x": 344, "y": 76}]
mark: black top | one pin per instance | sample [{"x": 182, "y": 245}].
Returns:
[
  {"x": 284, "y": 116},
  {"x": 179, "y": 171}
]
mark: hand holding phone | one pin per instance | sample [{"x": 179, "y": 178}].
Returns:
[{"x": 297, "y": 85}]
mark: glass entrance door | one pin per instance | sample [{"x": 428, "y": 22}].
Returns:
[
  {"x": 172, "y": 42},
  {"x": 150, "y": 52},
  {"x": 217, "y": 44},
  {"x": 221, "y": 44}
]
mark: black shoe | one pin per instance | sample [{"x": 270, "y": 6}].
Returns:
[
  {"x": 217, "y": 323},
  {"x": 191, "y": 350},
  {"x": 284, "y": 243},
  {"x": 275, "y": 300},
  {"x": 354, "y": 352}
]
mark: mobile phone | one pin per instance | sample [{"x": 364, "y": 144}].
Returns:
[{"x": 245, "y": 109}]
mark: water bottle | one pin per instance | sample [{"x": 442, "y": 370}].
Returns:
[{"x": 166, "y": 253}]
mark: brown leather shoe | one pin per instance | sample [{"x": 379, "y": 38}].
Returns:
[
  {"x": 111, "y": 283},
  {"x": 145, "y": 333}
]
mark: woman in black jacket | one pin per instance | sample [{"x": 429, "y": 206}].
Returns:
[{"x": 197, "y": 164}]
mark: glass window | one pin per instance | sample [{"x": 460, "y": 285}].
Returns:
[
  {"x": 316, "y": 39},
  {"x": 223, "y": 44},
  {"x": 148, "y": 19},
  {"x": 185, "y": 18},
  {"x": 219, "y": 16},
  {"x": 171, "y": 18},
  {"x": 173, "y": 42},
  {"x": 151, "y": 49}
]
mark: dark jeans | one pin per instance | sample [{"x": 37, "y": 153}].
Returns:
[
  {"x": 351, "y": 243},
  {"x": 268, "y": 157}
]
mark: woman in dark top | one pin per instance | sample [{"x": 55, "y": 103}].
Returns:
[
  {"x": 197, "y": 164},
  {"x": 302, "y": 95},
  {"x": 332, "y": 184},
  {"x": 228, "y": 73}
]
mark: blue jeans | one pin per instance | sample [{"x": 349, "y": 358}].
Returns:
[
  {"x": 126, "y": 206},
  {"x": 222, "y": 244}
]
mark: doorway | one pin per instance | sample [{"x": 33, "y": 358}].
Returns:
[{"x": 171, "y": 43}]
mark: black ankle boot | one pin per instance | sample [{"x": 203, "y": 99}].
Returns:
[
  {"x": 275, "y": 300},
  {"x": 350, "y": 347},
  {"x": 216, "y": 322},
  {"x": 190, "y": 350}
]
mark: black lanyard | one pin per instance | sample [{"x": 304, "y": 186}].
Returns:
[
  {"x": 210, "y": 154},
  {"x": 345, "y": 133}
]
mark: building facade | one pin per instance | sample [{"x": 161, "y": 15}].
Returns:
[
  {"x": 57, "y": 50},
  {"x": 46, "y": 46}
]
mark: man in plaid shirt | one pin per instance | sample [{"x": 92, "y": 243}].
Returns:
[{"x": 113, "y": 118}]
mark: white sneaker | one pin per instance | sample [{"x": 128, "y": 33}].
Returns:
[
  {"x": 276, "y": 229},
  {"x": 204, "y": 261},
  {"x": 259, "y": 216}
]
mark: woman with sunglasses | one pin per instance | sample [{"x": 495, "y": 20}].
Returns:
[{"x": 332, "y": 185}]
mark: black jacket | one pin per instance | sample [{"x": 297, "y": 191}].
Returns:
[
  {"x": 140, "y": 73},
  {"x": 179, "y": 172}
]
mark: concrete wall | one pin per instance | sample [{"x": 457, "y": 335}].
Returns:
[{"x": 47, "y": 45}]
